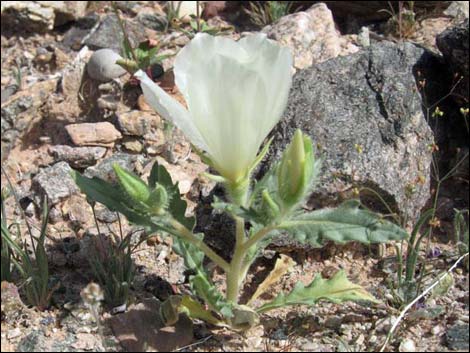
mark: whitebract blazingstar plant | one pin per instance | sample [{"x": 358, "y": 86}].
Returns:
[{"x": 236, "y": 92}]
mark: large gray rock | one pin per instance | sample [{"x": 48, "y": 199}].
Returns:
[
  {"x": 108, "y": 34},
  {"x": 453, "y": 43},
  {"x": 364, "y": 113}
]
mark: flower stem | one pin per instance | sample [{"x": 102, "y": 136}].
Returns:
[
  {"x": 234, "y": 278},
  {"x": 187, "y": 235}
]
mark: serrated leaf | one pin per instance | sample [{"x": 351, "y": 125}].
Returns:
[
  {"x": 337, "y": 289},
  {"x": 345, "y": 223}
]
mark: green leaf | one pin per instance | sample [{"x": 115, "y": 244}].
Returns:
[
  {"x": 345, "y": 223},
  {"x": 200, "y": 281},
  {"x": 113, "y": 198},
  {"x": 177, "y": 206},
  {"x": 196, "y": 310},
  {"x": 336, "y": 290}
]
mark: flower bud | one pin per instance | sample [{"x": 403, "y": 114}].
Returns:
[
  {"x": 158, "y": 200},
  {"x": 296, "y": 170},
  {"x": 132, "y": 184}
]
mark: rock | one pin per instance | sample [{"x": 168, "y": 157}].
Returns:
[
  {"x": 27, "y": 15},
  {"x": 12, "y": 306},
  {"x": 103, "y": 214},
  {"x": 364, "y": 113},
  {"x": 40, "y": 16},
  {"x": 352, "y": 15},
  {"x": 8, "y": 91},
  {"x": 75, "y": 35},
  {"x": 102, "y": 65},
  {"x": 78, "y": 210},
  {"x": 133, "y": 146},
  {"x": 458, "y": 10},
  {"x": 141, "y": 328},
  {"x": 55, "y": 182},
  {"x": 108, "y": 34},
  {"x": 457, "y": 337},
  {"x": 65, "y": 11},
  {"x": 407, "y": 345},
  {"x": 136, "y": 123},
  {"x": 77, "y": 157},
  {"x": 104, "y": 170},
  {"x": 11, "y": 334},
  {"x": 93, "y": 134},
  {"x": 311, "y": 35},
  {"x": 453, "y": 43},
  {"x": 148, "y": 18}
]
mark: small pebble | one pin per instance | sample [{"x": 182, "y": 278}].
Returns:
[{"x": 407, "y": 345}]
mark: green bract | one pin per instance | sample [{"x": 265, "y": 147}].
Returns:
[{"x": 235, "y": 93}]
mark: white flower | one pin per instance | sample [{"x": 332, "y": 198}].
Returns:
[{"x": 235, "y": 91}]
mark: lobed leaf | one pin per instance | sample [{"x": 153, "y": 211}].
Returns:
[
  {"x": 337, "y": 289},
  {"x": 345, "y": 223}
]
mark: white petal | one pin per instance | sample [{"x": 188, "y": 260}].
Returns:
[
  {"x": 170, "y": 109},
  {"x": 236, "y": 93}
]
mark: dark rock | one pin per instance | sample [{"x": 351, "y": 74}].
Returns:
[
  {"x": 74, "y": 36},
  {"x": 453, "y": 43},
  {"x": 105, "y": 215},
  {"x": 77, "y": 157},
  {"x": 108, "y": 34},
  {"x": 152, "y": 20},
  {"x": 364, "y": 113},
  {"x": 457, "y": 337},
  {"x": 104, "y": 170},
  {"x": 55, "y": 182}
]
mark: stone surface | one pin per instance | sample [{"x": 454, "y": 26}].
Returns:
[
  {"x": 93, "y": 134},
  {"x": 27, "y": 15},
  {"x": 40, "y": 16},
  {"x": 364, "y": 112},
  {"x": 108, "y": 34},
  {"x": 141, "y": 328},
  {"x": 453, "y": 43},
  {"x": 65, "y": 11},
  {"x": 311, "y": 35},
  {"x": 104, "y": 169},
  {"x": 136, "y": 122},
  {"x": 102, "y": 65},
  {"x": 457, "y": 337},
  {"x": 55, "y": 182},
  {"x": 148, "y": 18},
  {"x": 21, "y": 110},
  {"x": 77, "y": 157}
]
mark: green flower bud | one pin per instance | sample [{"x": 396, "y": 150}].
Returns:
[
  {"x": 132, "y": 184},
  {"x": 295, "y": 171},
  {"x": 158, "y": 200}
]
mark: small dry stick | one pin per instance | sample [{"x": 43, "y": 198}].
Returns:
[{"x": 426, "y": 291}]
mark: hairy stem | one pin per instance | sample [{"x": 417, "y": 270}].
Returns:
[
  {"x": 234, "y": 278},
  {"x": 187, "y": 235}
]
